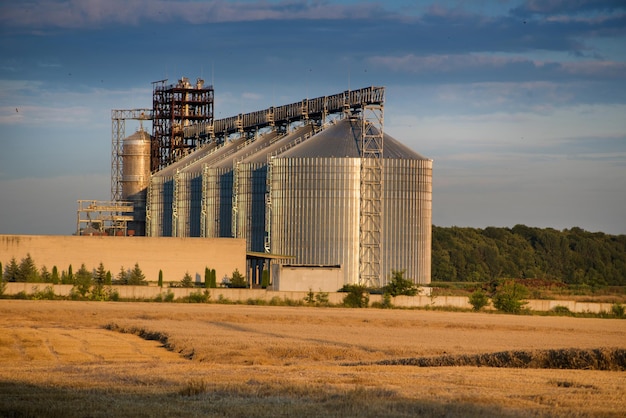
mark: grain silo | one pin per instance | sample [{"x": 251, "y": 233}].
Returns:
[
  {"x": 316, "y": 197},
  {"x": 250, "y": 189},
  {"x": 316, "y": 181},
  {"x": 136, "y": 177}
]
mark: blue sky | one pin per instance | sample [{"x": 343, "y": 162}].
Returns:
[{"x": 521, "y": 104}]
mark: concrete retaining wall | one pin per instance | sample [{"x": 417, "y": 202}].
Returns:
[
  {"x": 242, "y": 295},
  {"x": 174, "y": 256}
]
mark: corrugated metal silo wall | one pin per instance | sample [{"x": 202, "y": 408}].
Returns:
[
  {"x": 218, "y": 198},
  {"x": 315, "y": 211},
  {"x": 188, "y": 203},
  {"x": 251, "y": 195},
  {"x": 407, "y": 219},
  {"x": 161, "y": 198}
]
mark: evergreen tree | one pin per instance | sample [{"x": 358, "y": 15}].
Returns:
[
  {"x": 186, "y": 281},
  {"x": 54, "y": 277},
  {"x": 207, "y": 277},
  {"x": 238, "y": 280},
  {"x": 68, "y": 278},
  {"x": 100, "y": 275},
  {"x": 28, "y": 271},
  {"x": 83, "y": 280},
  {"x": 213, "y": 279},
  {"x": 136, "y": 277},
  {"x": 12, "y": 271},
  {"x": 160, "y": 283},
  {"x": 122, "y": 276},
  {"x": 45, "y": 275},
  {"x": 107, "y": 279}
]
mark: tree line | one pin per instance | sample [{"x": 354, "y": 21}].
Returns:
[{"x": 571, "y": 256}]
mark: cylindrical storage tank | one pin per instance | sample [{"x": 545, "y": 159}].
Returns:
[
  {"x": 316, "y": 200},
  {"x": 217, "y": 192},
  {"x": 315, "y": 211},
  {"x": 136, "y": 176},
  {"x": 187, "y": 203},
  {"x": 407, "y": 218},
  {"x": 161, "y": 199},
  {"x": 251, "y": 181},
  {"x": 251, "y": 195}
]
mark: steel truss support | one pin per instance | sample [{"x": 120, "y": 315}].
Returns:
[
  {"x": 118, "y": 133},
  {"x": 371, "y": 195}
]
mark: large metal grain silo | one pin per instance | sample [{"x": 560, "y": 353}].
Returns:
[
  {"x": 316, "y": 197},
  {"x": 136, "y": 177},
  {"x": 250, "y": 189}
]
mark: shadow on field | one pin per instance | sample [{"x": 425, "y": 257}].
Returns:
[
  {"x": 20, "y": 400},
  {"x": 613, "y": 359}
]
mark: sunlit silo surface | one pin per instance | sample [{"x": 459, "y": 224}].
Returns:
[
  {"x": 295, "y": 188},
  {"x": 136, "y": 176},
  {"x": 315, "y": 195}
]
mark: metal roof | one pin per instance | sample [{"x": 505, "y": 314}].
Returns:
[{"x": 343, "y": 141}]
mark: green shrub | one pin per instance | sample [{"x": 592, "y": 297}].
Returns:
[
  {"x": 321, "y": 298},
  {"x": 21, "y": 295},
  {"x": 276, "y": 301},
  {"x": 357, "y": 296},
  {"x": 222, "y": 299},
  {"x": 618, "y": 310},
  {"x": 478, "y": 300},
  {"x": 399, "y": 285},
  {"x": 46, "y": 294},
  {"x": 198, "y": 297},
  {"x": 561, "y": 310},
  {"x": 385, "y": 303},
  {"x": 509, "y": 297}
]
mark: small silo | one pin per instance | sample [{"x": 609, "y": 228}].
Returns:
[
  {"x": 136, "y": 177},
  {"x": 316, "y": 198}
]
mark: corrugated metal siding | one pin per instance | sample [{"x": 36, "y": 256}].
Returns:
[
  {"x": 161, "y": 199},
  {"x": 218, "y": 195},
  {"x": 251, "y": 195},
  {"x": 315, "y": 211},
  {"x": 407, "y": 219},
  {"x": 188, "y": 203}
]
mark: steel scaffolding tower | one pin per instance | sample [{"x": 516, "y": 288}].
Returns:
[
  {"x": 118, "y": 133},
  {"x": 370, "y": 211},
  {"x": 176, "y": 107}
]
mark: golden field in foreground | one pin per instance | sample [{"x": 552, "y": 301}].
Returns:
[{"x": 86, "y": 359}]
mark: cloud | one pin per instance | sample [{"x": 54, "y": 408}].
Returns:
[
  {"x": 85, "y": 13},
  {"x": 545, "y": 7}
]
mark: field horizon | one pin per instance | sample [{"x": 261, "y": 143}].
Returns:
[{"x": 78, "y": 359}]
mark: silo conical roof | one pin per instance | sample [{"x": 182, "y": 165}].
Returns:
[{"x": 343, "y": 140}]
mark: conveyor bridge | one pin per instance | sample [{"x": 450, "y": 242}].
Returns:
[{"x": 318, "y": 108}]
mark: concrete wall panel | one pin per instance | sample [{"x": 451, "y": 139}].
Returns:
[{"x": 174, "y": 256}]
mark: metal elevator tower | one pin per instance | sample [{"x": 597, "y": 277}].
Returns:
[
  {"x": 118, "y": 133},
  {"x": 176, "y": 107},
  {"x": 370, "y": 211}
]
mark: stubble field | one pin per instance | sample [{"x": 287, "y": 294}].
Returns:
[{"x": 96, "y": 359}]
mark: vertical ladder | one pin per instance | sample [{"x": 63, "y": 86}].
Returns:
[{"x": 371, "y": 195}]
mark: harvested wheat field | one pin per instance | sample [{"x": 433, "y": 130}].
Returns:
[{"x": 97, "y": 359}]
